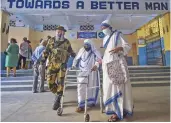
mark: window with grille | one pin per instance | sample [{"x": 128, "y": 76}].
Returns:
[
  {"x": 49, "y": 27},
  {"x": 86, "y": 27},
  {"x": 12, "y": 23}
]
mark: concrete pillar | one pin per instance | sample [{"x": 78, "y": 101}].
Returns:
[{"x": 4, "y": 28}]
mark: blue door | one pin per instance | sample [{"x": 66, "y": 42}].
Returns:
[
  {"x": 154, "y": 53},
  {"x": 142, "y": 56}
]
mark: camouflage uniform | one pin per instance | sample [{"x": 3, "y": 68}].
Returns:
[{"x": 57, "y": 52}]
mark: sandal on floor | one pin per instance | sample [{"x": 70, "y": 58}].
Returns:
[
  {"x": 92, "y": 105},
  {"x": 113, "y": 118},
  {"x": 78, "y": 110},
  {"x": 124, "y": 115}
]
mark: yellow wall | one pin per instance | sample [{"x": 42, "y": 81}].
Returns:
[
  {"x": 4, "y": 19},
  {"x": 18, "y": 33},
  {"x": 132, "y": 40},
  {"x": 165, "y": 22},
  {"x": 159, "y": 28},
  {"x": 35, "y": 36},
  {"x": 140, "y": 35}
]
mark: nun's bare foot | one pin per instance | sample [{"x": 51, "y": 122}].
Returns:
[
  {"x": 79, "y": 110},
  {"x": 113, "y": 118}
]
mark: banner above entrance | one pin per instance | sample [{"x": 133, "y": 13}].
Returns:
[{"x": 97, "y": 6}]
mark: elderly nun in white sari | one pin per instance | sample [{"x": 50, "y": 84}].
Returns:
[
  {"x": 89, "y": 59},
  {"x": 117, "y": 94}
]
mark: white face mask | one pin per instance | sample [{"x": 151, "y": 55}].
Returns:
[{"x": 107, "y": 31}]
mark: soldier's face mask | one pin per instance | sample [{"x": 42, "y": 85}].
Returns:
[{"x": 87, "y": 47}]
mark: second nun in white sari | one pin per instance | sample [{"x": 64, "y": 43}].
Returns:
[
  {"x": 117, "y": 94},
  {"x": 89, "y": 60}
]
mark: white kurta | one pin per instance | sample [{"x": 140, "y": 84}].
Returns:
[
  {"x": 117, "y": 98},
  {"x": 86, "y": 63}
]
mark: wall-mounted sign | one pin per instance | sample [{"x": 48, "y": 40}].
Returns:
[
  {"x": 86, "y": 35},
  {"x": 107, "y": 6},
  {"x": 141, "y": 41},
  {"x": 101, "y": 35}
]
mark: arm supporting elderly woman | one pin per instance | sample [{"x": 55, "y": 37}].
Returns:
[{"x": 122, "y": 46}]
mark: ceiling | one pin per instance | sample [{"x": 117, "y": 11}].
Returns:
[
  {"x": 72, "y": 19},
  {"x": 128, "y": 23}
]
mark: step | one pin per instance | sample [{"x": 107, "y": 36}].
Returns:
[
  {"x": 147, "y": 67},
  {"x": 25, "y": 82},
  {"x": 149, "y": 71},
  {"x": 138, "y": 77},
  {"x": 150, "y": 84},
  {"x": 19, "y": 71},
  {"x": 132, "y": 72},
  {"x": 134, "y": 77},
  {"x": 27, "y": 87},
  {"x": 30, "y": 82},
  {"x": 17, "y": 78},
  {"x": 129, "y": 67},
  {"x": 18, "y": 74},
  {"x": 154, "y": 78},
  {"x": 149, "y": 74},
  {"x": 134, "y": 84}
]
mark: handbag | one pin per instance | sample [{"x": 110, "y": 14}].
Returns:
[{"x": 117, "y": 69}]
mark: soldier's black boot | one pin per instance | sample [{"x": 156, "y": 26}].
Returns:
[{"x": 56, "y": 104}]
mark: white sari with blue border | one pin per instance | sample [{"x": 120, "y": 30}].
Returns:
[
  {"x": 117, "y": 98},
  {"x": 86, "y": 62}
]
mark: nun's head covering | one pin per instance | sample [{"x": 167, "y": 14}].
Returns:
[
  {"x": 107, "y": 23},
  {"x": 88, "y": 42},
  {"x": 93, "y": 48}
]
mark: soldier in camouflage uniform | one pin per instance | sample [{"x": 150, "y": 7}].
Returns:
[{"x": 57, "y": 53}]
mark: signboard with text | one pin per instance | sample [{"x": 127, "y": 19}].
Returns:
[
  {"x": 85, "y": 35},
  {"x": 105, "y": 6}
]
